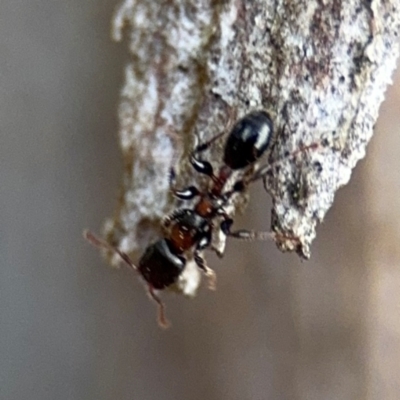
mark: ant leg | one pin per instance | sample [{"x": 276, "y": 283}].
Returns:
[
  {"x": 97, "y": 242},
  {"x": 238, "y": 187},
  {"x": 262, "y": 171},
  {"x": 188, "y": 193},
  {"x": 201, "y": 262},
  {"x": 175, "y": 215},
  {"x": 208, "y": 272},
  {"x": 204, "y": 146},
  {"x": 184, "y": 194},
  {"x": 245, "y": 234},
  {"x": 161, "y": 317},
  {"x": 201, "y": 166}
]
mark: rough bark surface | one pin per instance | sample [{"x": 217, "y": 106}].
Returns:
[{"x": 320, "y": 68}]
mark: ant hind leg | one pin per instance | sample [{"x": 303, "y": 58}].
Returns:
[
  {"x": 161, "y": 316},
  {"x": 208, "y": 272},
  {"x": 250, "y": 235},
  {"x": 100, "y": 243},
  {"x": 187, "y": 193},
  {"x": 95, "y": 241}
]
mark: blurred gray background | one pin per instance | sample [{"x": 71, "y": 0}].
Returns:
[{"x": 72, "y": 328}]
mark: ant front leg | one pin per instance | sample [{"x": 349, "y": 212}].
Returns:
[
  {"x": 188, "y": 193},
  {"x": 202, "y": 166},
  {"x": 201, "y": 262},
  {"x": 263, "y": 171},
  {"x": 238, "y": 187}
]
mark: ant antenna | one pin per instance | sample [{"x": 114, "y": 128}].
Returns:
[{"x": 100, "y": 243}]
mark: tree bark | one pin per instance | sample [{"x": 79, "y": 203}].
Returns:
[{"x": 320, "y": 68}]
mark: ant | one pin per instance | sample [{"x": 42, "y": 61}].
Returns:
[{"x": 189, "y": 230}]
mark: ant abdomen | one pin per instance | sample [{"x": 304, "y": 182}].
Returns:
[
  {"x": 159, "y": 266},
  {"x": 248, "y": 140}
]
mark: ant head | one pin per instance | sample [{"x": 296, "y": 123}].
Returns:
[{"x": 248, "y": 140}]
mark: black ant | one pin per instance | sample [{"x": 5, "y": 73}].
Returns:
[{"x": 189, "y": 230}]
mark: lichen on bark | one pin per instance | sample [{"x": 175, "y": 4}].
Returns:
[{"x": 320, "y": 68}]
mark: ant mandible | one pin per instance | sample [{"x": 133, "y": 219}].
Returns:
[{"x": 189, "y": 230}]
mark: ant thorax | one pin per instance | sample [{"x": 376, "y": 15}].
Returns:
[
  {"x": 237, "y": 202},
  {"x": 218, "y": 190}
]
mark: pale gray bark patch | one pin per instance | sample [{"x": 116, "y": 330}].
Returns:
[{"x": 320, "y": 68}]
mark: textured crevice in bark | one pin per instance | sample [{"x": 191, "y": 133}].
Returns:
[{"x": 320, "y": 68}]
